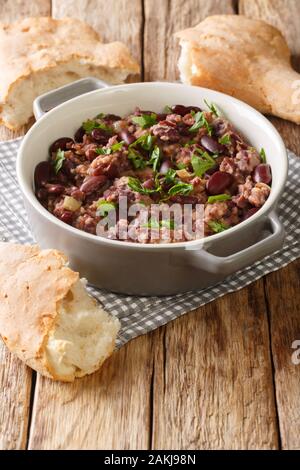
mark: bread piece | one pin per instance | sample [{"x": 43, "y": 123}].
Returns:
[
  {"x": 40, "y": 54},
  {"x": 245, "y": 58},
  {"x": 46, "y": 316}
]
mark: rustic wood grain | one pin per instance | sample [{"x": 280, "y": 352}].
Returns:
[
  {"x": 114, "y": 21},
  {"x": 15, "y": 385},
  {"x": 205, "y": 380},
  {"x": 213, "y": 381},
  {"x": 108, "y": 410},
  {"x": 15, "y": 378},
  {"x": 162, "y": 20},
  {"x": 284, "y": 14},
  {"x": 282, "y": 287}
]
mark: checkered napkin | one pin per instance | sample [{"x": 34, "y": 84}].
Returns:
[{"x": 139, "y": 315}]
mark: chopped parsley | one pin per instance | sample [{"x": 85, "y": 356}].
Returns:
[
  {"x": 181, "y": 166},
  {"x": 183, "y": 189},
  {"x": 107, "y": 151},
  {"x": 137, "y": 159},
  {"x": 104, "y": 207},
  {"x": 155, "y": 158},
  {"x": 263, "y": 156},
  {"x": 212, "y": 108},
  {"x": 225, "y": 139},
  {"x": 59, "y": 159},
  {"x": 200, "y": 121},
  {"x": 137, "y": 186},
  {"x": 201, "y": 164},
  {"x": 146, "y": 141},
  {"x": 100, "y": 116},
  {"x": 218, "y": 197},
  {"x": 145, "y": 120},
  {"x": 217, "y": 226},
  {"x": 170, "y": 176},
  {"x": 168, "y": 109},
  {"x": 90, "y": 125},
  {"x": 155, "y": 224}
]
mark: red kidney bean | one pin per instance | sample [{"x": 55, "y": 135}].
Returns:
[
  {"x": 262, "y": 174},
  {"x": 55, "y": 189},
  {"x": 165, "y": 166},
  {"x": 218, "y": 182},
  {"x": 193, "y": 108},
  {"x": 148, "y": 184},
  {"x": 112, "y": 117},
  {"x": 67, "y": 217},
  {"x": 211, "y": 144},
  {"x": 77, "y": 194},
  {"x": 42, "y": 174},
  {"x": 92, "y": 183},
  {"x": 42, "y": 194},
  {"x": 60, "y": 144},
  {"x": 127, "y": 137},
  {"x": 99, "y": 135},
  {"x": 180, "y": 109},
  {"x": 250, "y": 212},
  {"x": 183, "y": 129},
  {"x": 161, "y": 117},
  {"x": 68, "y": 166},
  {"x": 79, "y": 134}
]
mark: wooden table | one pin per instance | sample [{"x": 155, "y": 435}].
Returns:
[{"x": 219, "y": 377}]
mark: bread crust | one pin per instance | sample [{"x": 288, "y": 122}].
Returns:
[
  {"x": 32, "y": 282},
  {"x": 242, "y": 57},
  {"x": 34, "y": 45}
]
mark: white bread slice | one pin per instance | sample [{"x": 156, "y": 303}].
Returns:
[
  {"x": 46, "y": 316},
  {"x": 243, "y": 57},
  {"x": 40, "y": 54}
]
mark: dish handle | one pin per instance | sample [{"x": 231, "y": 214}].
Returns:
[
  {"x": 229, "y": 264},
  {"x": 53, "y": 98}
]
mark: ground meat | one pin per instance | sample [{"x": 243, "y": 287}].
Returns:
[{"x": 150, "y": 162}]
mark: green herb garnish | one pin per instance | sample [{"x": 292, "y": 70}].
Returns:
[
  {"x": 100, "y": 116},
  {"x": 145, "y": 120},
  {"x": 59, "y": 159},
  {"x": 183, "y": 189},
  {"x": 190, "y": 142},
  {"x": 137, "y": 159},
  {"x": 218, "y": 197},
  {"x": 263, "y": 156},
  {"x": 170, "y": 176},
  {"x": 107, "y": 151},
  {"x": 168, "y": 109},
  {"x": 90, "y": 125},
  {"x": 104, "y": 207},
  {"x": 225, "y": 140},
  {"x": 117, "y": 146},
  {"x": 136, "y": 186},
  {"x": 200, "y": 121},
  {"x": 103, "y": 151},
  {"x": 202, "y": 163},
  {"x": 155, "y": 158},
  {"x": 153, "y": 223},
  {"x": 212, "y": 108},
  {"x": 217, "y": 227},
  {"x": 146, "y": 141},
  {"x": 181, "y": 166}
]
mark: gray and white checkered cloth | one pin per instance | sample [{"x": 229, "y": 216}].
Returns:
[{"x": 140, "y": 315}]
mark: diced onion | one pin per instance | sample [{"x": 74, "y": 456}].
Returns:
[{"x": 71, "y": 204}]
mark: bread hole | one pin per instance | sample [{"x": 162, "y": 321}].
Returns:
[
  {"x": 25, "y": 29},
  {"x": 5, "y": 296},
  {"x": 70, "y": 296}
]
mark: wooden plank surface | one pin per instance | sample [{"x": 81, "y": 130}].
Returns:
[
  {"x": 15, "y": 378},
  {"x": 282, "y": 287},
  {"x": 205, "y": 380}
]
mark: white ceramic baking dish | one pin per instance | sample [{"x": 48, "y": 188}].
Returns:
[{"x": 151, "y": 269}]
